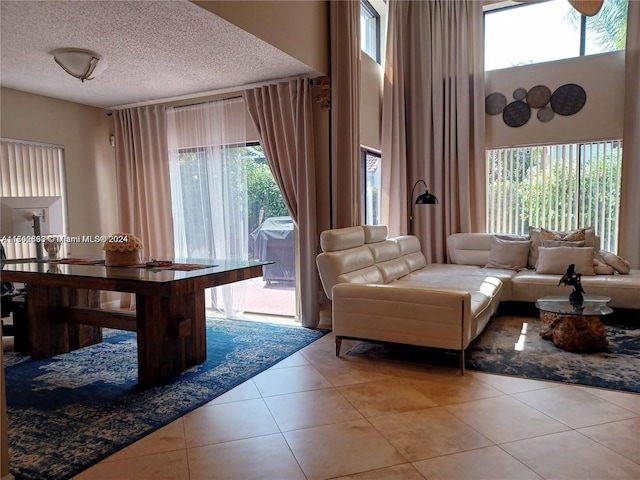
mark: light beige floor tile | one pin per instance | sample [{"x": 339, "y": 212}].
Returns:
[
  {"x": 398, "y": 472},
  {"x": 341, "y": 449},
  {"x": 341, "y": 371},
  {"x": 319, "y": 353},
  {"x": 622, "y": 437},
  {"x": 485, "y": 463},
  {"x": 166, "y": 439},
  {"x": 290, "y": 380},
  {"x": 168, "y": 465},
  {"x": 510, "y": 385},
  {"x": 573, "y": 406},
  {"x": 260, "y": 458},
  {"x": 504, "y": 419},
  {"x": 628, "y": 400},
  {"x": 385, "y": 397},
  {"x": 245, "y": 391},
  {"x": 294, "y": 360},
  {"x": 228, "y": 421},
  {"x": 448, "y": 393},
  {"x": 310, "y": 409},
  {"x": 570, "y": 455},
  {"x": 428, "y": 433}
]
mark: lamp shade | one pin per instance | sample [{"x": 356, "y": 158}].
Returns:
[
  {"x": 426, "y": 199},
  {"x": 79, "y": 63}
]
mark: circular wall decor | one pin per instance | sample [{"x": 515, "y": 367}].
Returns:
[
  {"x": 520, "y": 93},
  {"x": 538, "y": 96},
  {"x": 516, "y": 114},
  {"x": 495, "y": 103},
  {"x": 568, "y": 99},
  {"x": 545, "y": 114}
]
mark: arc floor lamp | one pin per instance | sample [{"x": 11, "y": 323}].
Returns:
[{"x": 424, "y": 199}]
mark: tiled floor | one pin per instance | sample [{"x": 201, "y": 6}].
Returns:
[{"x": 316, "y": 416}]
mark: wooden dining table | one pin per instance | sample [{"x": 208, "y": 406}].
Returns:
[{"x": 64, "y": 314}]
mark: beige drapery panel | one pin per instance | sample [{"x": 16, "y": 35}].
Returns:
[
  {"x": 29, "y": 170},
  {"x": 282, "y": 114},
  {"x": 433, "y": 119},
  {"x": 144, "y": 190},
  {"x": 345, "y": 113},
  {"x": 629, "y": 236}
]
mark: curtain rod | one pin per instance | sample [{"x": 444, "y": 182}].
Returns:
[{"x": 237, "y": 88}]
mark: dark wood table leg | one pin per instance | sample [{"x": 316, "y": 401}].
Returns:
[
  {"x": 49, "y": 334},
  {"x": 171, "y": 334},
  {"x": 48, "y": 337}
]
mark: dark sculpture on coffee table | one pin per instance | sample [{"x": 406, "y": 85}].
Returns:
[{"x": 572, "y": 278}]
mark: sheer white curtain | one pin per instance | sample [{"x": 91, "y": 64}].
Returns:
[{"x": 209, "y": 189}]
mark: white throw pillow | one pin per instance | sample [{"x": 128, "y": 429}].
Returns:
[
  {"x": 617, "y": 262},
  {"x": 602, "y": 268},
  {"x": 538, "y": 235},
  {"x": 556, "y": 260},
  {"x": 511, "y": 255}
]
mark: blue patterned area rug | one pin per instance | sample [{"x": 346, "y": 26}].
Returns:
[
  {"x": 511, "y": 345},
  {"x": 71, "y": 411}
]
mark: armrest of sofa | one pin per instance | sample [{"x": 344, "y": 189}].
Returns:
[{"x": 438, "y": 318}]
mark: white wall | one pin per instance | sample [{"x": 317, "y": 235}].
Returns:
[
  {"x": 89, "y": 158},
  {"x": 601, "y": 76}
]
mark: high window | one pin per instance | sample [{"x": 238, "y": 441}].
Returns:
[
  {"x": 559, "y": 187},
  {"x": 371, "y": 163},
  {"x": 546, "y": 31},
  {"x": 370, "y": 30}
]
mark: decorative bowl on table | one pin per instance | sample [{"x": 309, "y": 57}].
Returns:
[{"x": 122, "y": 249}]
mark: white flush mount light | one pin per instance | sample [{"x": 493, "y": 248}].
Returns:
[{"x": 82, "y": 64}]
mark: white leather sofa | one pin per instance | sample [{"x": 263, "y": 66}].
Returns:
[{"x": 382, "y": 288}]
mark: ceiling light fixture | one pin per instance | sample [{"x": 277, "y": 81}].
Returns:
[{"x": 79, "y": 63}]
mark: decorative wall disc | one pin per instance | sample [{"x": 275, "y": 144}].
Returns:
[
  {"x": 568, "y": 99},
  {"x": 545, "y": 114},
  {"x": 538, "y": 96},
  {"x": 516, "y": 114},
  {"x": 495, "y": 103},
  {"x": 519, "y": 93}
]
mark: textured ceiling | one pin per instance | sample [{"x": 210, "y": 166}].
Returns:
[{"x": 155, "y": 50}]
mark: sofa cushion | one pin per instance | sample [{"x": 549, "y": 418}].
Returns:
[
  {"x": 509, "y": 254},
  {"x": 383, "y": 251},
  {"x": 410, "y": 251},
  {"x": 601, "y": 268},
  {"x": 341, "y": 239},
  {"x": 469, "y": 248},
  {"x": 616, "y": 262},
  {"x": 537, "y": 235},
  {"x": 334, "y": 264},
  {"x": 364, "y": 275},
  {"x": 374, "y": 233},
  {"x": 556, "y": 260},
  {"x": 392, "y": 269}
]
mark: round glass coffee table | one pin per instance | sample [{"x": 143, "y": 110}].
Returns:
[{"x": 575, "y": 327}]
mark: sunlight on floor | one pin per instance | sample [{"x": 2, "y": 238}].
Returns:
[{"x": 519, "y": 346}]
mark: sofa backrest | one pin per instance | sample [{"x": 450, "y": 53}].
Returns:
[
  {"x": 364, "y": 254},
  {"x": 469, "y": 248}
]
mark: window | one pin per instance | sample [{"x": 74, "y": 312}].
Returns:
[
  {"x": 32, "y": 179},
  {"x": 369, "y": 30},
  {"x": 542, "y": 32},
  {"x": 558, "y": 187},
  {"x": 372, "y": 179}
]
